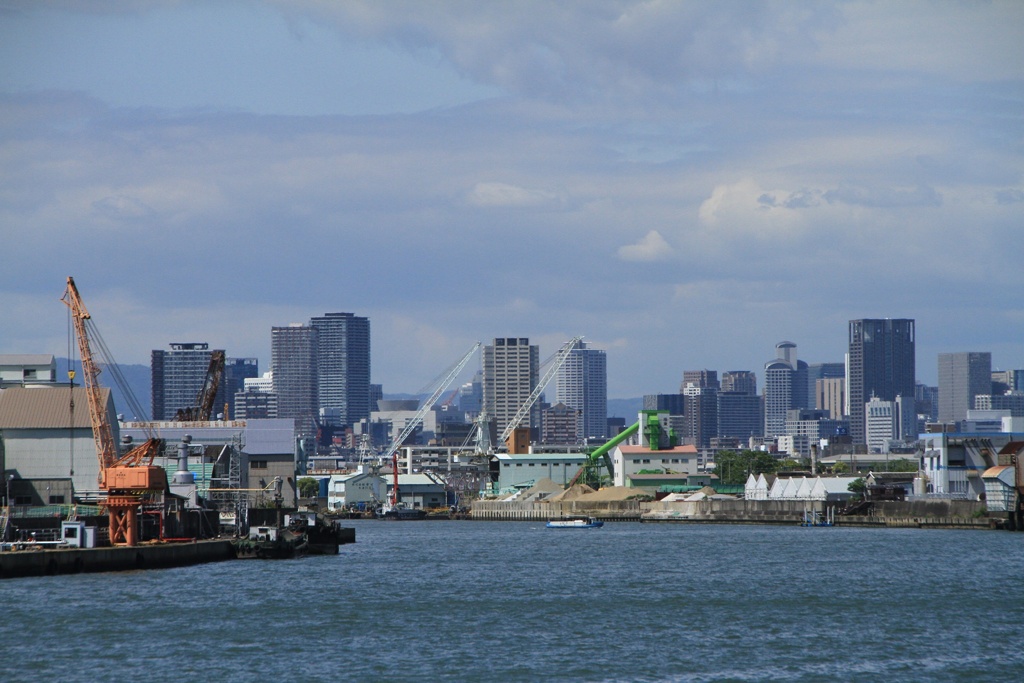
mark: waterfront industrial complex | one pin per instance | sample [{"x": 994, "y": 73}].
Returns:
[{"x": 850, "y": 442}]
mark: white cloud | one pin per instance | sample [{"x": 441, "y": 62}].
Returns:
[
  {"x": 745, "y": 209},
  {"x": 502, "y": 195},
  {"x": 651, "y": 247},
  {"x": 799, "y": 178}
]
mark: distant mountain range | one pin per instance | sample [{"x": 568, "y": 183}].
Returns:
[
  {"x": 628, "y": 408},
  {"x": 139, "y": 380},
  {"x": 137, "y": 377}
]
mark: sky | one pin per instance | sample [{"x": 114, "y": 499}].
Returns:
[{"x": 684, "y": 184}]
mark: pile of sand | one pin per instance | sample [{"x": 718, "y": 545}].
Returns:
[
  {"x": 613, "y": 493},
  {"x": 541, "y": 490},
  {"x": 574, "y": 492}
]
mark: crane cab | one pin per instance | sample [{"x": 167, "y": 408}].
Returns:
[{"x": 134, "y": 478}]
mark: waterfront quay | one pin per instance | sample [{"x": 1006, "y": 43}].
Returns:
[
  {"x": 958, "y": 514},
  {"x": 29, "y": 562}
]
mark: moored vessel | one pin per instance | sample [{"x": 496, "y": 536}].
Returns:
[{"x": 574, "y": 522}]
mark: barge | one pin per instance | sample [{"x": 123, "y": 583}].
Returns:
[{"x": 49, "y": 562}]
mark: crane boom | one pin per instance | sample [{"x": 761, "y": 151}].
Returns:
[
  {"x": 560, "y": 358},
  {"x": 418, "y": 417},
  {"x": 102, "y": 434},
  {"x": 203, "y": 408}
]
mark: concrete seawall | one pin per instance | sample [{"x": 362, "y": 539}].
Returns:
[
  {"x": 624, "y": 510},
  {"x": 921, "y": 514},
  {"x": 73, "y": 561}
]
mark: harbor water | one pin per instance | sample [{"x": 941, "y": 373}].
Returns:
[{"x": 515, "y": 601}]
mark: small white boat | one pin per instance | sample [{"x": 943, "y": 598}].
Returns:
[{"x": 574, "y": 522}]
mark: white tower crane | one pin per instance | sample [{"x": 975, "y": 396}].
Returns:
[{"x": 418, "y": 417}]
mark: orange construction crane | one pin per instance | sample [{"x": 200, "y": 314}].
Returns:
[{"x": 131, "y": 479}]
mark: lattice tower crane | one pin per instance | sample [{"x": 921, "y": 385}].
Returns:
[
  {"x": 396, "y": 443},
  {"x": 203, "y": 408}
]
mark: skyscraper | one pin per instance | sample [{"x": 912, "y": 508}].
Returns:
[
  {"x": 236, "y": 371},
  {"x": 819, "y": 371},
  {"x": 673, "y": 404},
  {"x": 1007, "y": 380},
  {"x": 830, "y": 395},
  {"x": 700, "y": 418},
  {"x": 178, "y": 376},
  {"x": 880, "y": 363},
  {"x": 741, "y": 381},
  {"x": 583, "y": 386},
  {"x": 740, "y": 409},
  {"x": 700, "y": 379},
  {"x": 785, "y": 387},
  {"x": 293, "y": 364},
  {"x": 739, "y": 414},
  {"x": 511, "y": 370},
  {"x": 962, "y": 376},
  {"x": 343, "y": 364}
]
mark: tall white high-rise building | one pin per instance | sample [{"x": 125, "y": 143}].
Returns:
[
  {"x": 511, "y": 370},
  {"x": 785, "y": 387},
  {"x": 583, "y": 386}
]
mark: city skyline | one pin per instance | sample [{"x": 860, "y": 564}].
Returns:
[
  {"x": 683, "y": 184},
  {"x": 675, "y": 387}
]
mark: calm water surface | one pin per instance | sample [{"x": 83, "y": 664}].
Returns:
[{"x": 501, "y": 601}]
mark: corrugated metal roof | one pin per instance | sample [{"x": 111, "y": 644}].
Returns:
[
  {"x": 47, "y": 407},
  {"x": 416, "y": 480},
  {"x": 25, "y": 359}
]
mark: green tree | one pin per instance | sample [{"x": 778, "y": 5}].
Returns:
[
  {"x": 733, "y": 468},
  {"x": 858, "y": 486},
  {"x": 840, "y": 467},
  {"x": 904, "y": 465},
  {"x": 309, "y": 487}
]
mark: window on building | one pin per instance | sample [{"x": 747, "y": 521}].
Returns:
[
  {"x": 258, "y": 464},
  {"x": 56, "y": 500}
]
